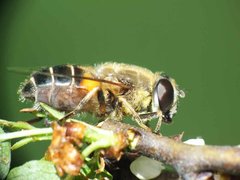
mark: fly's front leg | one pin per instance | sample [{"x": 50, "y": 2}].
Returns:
[
  {"x": 159, "y": 123},
  {"x": 146, "y": 117},
  {"x": 133, "y": 113},
  {"x": 82, "y": 103}
]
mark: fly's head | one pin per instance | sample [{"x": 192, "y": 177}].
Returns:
[{"x": 165, "y": 97}]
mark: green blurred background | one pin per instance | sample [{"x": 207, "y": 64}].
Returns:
[{"x": 195, "y": 42}]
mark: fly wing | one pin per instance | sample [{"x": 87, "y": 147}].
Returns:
[
  {"x": 67, "y": 73},
  {"x": 46, "y": 79}
]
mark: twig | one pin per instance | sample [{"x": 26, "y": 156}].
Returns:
[{"x": 188, "y": 160}]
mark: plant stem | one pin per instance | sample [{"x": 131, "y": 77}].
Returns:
[
  {"x": 25, "y": 141},
  {"x": 25, "y": 133},
  {"x": 103, "y": 143},
  {"x": 17, "y": 125}
]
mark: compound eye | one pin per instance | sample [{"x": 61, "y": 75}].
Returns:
[{"x": 165, "y": 94}]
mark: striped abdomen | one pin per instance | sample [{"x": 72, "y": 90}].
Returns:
[{"x": 60, "y": 86}]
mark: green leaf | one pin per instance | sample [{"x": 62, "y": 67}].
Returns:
[
  {"x": 36, "y": 169},
  {"x": 91, "y": 167},
  {"x": 56, "y": 114},
  {"x": 5, "y": 157}
]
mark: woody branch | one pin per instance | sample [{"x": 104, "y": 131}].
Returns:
[{"x": 188, "y": 160}]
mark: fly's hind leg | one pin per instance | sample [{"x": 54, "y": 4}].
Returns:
[
  {"x": 133, "y": 113},
  {"x": 82, "y": 103}
]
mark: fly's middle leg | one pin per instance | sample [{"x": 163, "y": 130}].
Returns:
[{"x": 133, "y": 113}]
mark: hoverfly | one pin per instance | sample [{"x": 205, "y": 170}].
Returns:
[{"x": 108, "y": 90}]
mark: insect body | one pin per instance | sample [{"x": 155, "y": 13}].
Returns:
[{"x": 109, "y": 90}]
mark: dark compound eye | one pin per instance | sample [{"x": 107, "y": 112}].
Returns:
[{"x": 165, "y": 94}]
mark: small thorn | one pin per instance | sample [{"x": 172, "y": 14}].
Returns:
[{"x": 178, "y": 137}]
